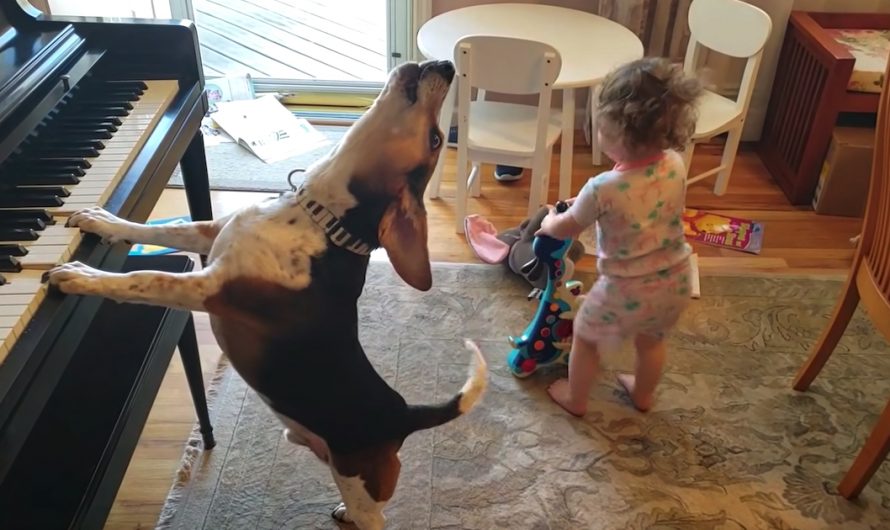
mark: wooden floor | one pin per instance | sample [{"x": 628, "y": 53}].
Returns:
[
  {"x": 795, "y": 241},
  {"x": 293, "y": 39}
]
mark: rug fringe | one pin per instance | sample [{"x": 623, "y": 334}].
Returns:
[{"x": 193, "y": 450}]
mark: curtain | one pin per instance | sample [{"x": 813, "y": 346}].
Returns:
[{"x": 660, "y": 24}]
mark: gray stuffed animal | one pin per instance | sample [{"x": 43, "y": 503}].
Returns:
[{"x": 520, "y": 240}]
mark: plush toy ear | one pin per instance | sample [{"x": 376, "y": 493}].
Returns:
[
  {"x": 403, "y": 233},
  {"x": 533, "y": 223}
]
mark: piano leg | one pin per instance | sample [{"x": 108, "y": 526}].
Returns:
[
  {"x": 191, "y": 361},
  {"x": 197, "y": 181}
]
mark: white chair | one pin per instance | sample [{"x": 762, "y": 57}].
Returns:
[
  {"x": 736, "y": 29},
  {"x": 504, "y": 133}
]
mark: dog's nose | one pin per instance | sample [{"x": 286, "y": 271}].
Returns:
[{"x": 443, "y": 68}]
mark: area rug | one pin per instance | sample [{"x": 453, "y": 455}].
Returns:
[
  {"x": 729, "y": 445},
  {"x": 233, "y": 168}
]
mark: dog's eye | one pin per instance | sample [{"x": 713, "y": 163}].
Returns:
[{"x": 435, "y": 139}]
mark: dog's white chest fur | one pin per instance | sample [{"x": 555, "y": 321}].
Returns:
[{"x": 274, "y": 240}]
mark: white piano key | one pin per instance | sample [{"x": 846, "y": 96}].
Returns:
[
  {"x": 22, "y": 294},
  {"x": 19, "y": 298},
  {"x": 54, "y": 246}
]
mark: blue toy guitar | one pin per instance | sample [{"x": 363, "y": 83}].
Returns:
[{"x": 548, "y": 338}]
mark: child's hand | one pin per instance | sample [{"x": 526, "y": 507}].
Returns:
[
  {"x": 547, "y": 224},
  {"x": 559, "y": 225}
]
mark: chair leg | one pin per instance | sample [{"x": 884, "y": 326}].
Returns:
[
  {"x": 448, "y": 104},
  {"x": 869, "y": 459},
  {"x": 595, "y": 151},
  {"x": 460, "y": 187},
  {"x": 687, "y": 158},
  {"x": 476, "y": 177},
  {"x": 730, "y": 150},
  {"x": 537, "y": 193},
  {"x": 823, "y": 349}
]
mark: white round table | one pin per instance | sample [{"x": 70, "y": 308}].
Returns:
[{"x": 590, "y": 46}]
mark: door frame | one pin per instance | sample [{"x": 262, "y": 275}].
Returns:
[
  {"x": 404, "y": 20},
  {"x": 182, "y": 9}
]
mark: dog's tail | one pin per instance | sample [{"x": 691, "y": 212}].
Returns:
[{"x": 422, "y": 417}]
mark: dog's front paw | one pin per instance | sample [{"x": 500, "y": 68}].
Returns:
[
  {"x": 74, "y": 278},
  {"x": 97, "y": 221}
]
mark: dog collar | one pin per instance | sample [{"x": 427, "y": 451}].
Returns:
[{"x": 330, "y": 223}]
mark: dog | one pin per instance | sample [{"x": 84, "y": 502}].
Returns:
[{"x": 283, "y": 278}]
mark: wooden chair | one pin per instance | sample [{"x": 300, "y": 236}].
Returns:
[
  {"x": 504, "y": 133},
  {"x": 812, "y": 88},
  {"x": 868, "y": 283},
  {"x": 737, "y": 29}
]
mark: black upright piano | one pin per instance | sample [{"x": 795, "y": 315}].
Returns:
[{"x": 93, "y": 112}]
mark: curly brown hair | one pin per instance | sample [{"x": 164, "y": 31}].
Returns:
[{"x": 651, "y": 103}]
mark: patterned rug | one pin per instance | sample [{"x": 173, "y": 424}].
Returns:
[{"x": 729, "y": 445}]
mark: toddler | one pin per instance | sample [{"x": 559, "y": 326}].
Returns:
[{"x": 646, "y": 110}]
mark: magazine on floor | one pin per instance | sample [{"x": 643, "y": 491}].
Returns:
[{"x": 267, "y": 129}]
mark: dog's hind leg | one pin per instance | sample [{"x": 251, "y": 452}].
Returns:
[
  {"x": 189, "y": 237},
  {"x": 179, "y": 291},
  {"x": 366, "y": 480}
]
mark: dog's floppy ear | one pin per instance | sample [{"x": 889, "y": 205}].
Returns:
[{"x": 403, "y": 233}]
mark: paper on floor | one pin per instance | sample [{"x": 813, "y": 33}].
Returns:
[{"x": 267, "y": 129}]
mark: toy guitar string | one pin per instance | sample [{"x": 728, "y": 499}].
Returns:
[{"x": 548, "y": 337}]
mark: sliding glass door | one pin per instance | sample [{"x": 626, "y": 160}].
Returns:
[
  {"x": 299, "y": 47},
  {"x": 328, "y": 46}
]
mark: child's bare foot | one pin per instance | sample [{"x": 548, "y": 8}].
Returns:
[
  {"x": 560, "y": 392},
  {"x": 642, "y": 403}
]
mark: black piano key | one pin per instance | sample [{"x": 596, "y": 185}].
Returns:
[
  {"x": 77, "y": 126},
  {"x": 91, "y": 119},
  {"x": 97, "y": 114},
  {"x": 11, "y": 249},
  {"x": 70, "y": 143},
  {"x": 117, "y": 96},
  {"x": 23, "y": 222},
  {"x": 104, "y": 103},
  {"x": 30, "y": 200},
  {"x": 31, "y": 163},
  {"x": 42, "y": 215},
  {"x": 10, "y": 264},
  {"x": 73, "y": 170},
  {"x": 18, "y": 234},
  {"x": 102, "y": 112},
  {"x": 126, "y": 85},
  {"x": 62, "y": 152},
  {"x": 60, "y": 179},
  {"x": 58, "y": 191},
  {"x": 80, "y": 132}
]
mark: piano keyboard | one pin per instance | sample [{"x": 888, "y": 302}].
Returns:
[{"x": 73, "y": 161}]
